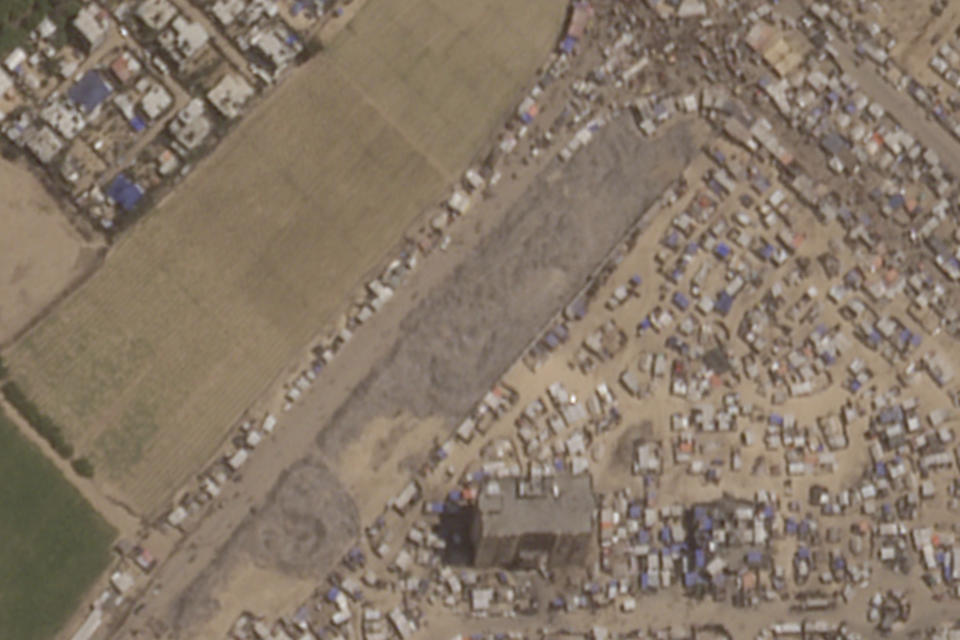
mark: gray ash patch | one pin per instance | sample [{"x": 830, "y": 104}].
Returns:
[{"x": 471, "y": 327}]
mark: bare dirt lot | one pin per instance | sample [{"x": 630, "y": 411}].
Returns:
[
  {"x": 292, "y": 537},
  {"x": 453, "y": 342},
  {"x": 202, "y": 306},
  {"x": 40, "y": 253}
]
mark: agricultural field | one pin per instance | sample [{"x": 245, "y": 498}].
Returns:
[
  {"x": 40, "y": 253},
  {"x": 202, "y": 305},
  {"x": 54, "y": 544}
]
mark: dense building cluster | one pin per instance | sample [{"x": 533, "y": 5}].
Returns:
[{"x": 139, "y": 92}]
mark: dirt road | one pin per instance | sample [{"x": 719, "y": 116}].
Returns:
[{"x": 450, "y": 331}]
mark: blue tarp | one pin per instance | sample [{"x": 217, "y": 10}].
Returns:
[
  {"x": 721, "y": 250},
  {"x": 137, "y": 124},
  {"x": 568, "y": 44},
  {"x": 124, "y": 192},
  {"x": 90, "y": 91},
  {"x": 561, "y": 332},
  {"x": 716, "y": 187},
  {"x": 723, "y": 304},
  {"x": 681, "y": 301}
]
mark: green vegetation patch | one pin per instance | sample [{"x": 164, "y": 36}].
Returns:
[
  {"x": 54, "y": 544},
  {"x": 19, "y": 17},
  {"x": 44, "y": 424}
]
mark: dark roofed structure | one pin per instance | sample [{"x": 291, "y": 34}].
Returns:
[
  {"x": 125, "y": 193},
  {"x": 523, "y": 522},
  {"x": 90, "y": 92}
]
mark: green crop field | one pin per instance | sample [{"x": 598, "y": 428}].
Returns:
[
  {"x": 54, "y": 545},
  {"x": 206, "y": 300}
]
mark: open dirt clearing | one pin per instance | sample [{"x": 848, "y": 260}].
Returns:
[
  {"x": 209, "y": 298},
  {"x": 444, "y": 340},
  {"x": 40, "y": 253}
]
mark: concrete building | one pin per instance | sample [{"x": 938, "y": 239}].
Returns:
[
  {"x": 156, "y": 99},
  {"x": 93, "y": 25},
  {"x": 156, "y": 14},
  {"x": 230, "y": 95},
  {"x": 527, "y": 521},
  {"x": 275, "y": 47},
  {"x": 43, "y": 143},
  {"x": 191, "y": 126},
  {"x": 184, "y": 40}
]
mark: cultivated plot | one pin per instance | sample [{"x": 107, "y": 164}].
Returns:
[
  {"x": 205, "y": 302},
  {"x": 54, "y": 544}
]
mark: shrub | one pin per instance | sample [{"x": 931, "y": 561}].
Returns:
[{"x": 82, "y": 466}]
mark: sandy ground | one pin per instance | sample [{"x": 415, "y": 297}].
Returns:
[
  {"x": 40, "y": 253},
  {"x": 428, "y": 356}
]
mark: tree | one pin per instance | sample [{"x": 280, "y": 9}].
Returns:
[{"x": 82, "y": 466}]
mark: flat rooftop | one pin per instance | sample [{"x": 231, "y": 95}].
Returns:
[{"x": 561, "y": 504}]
